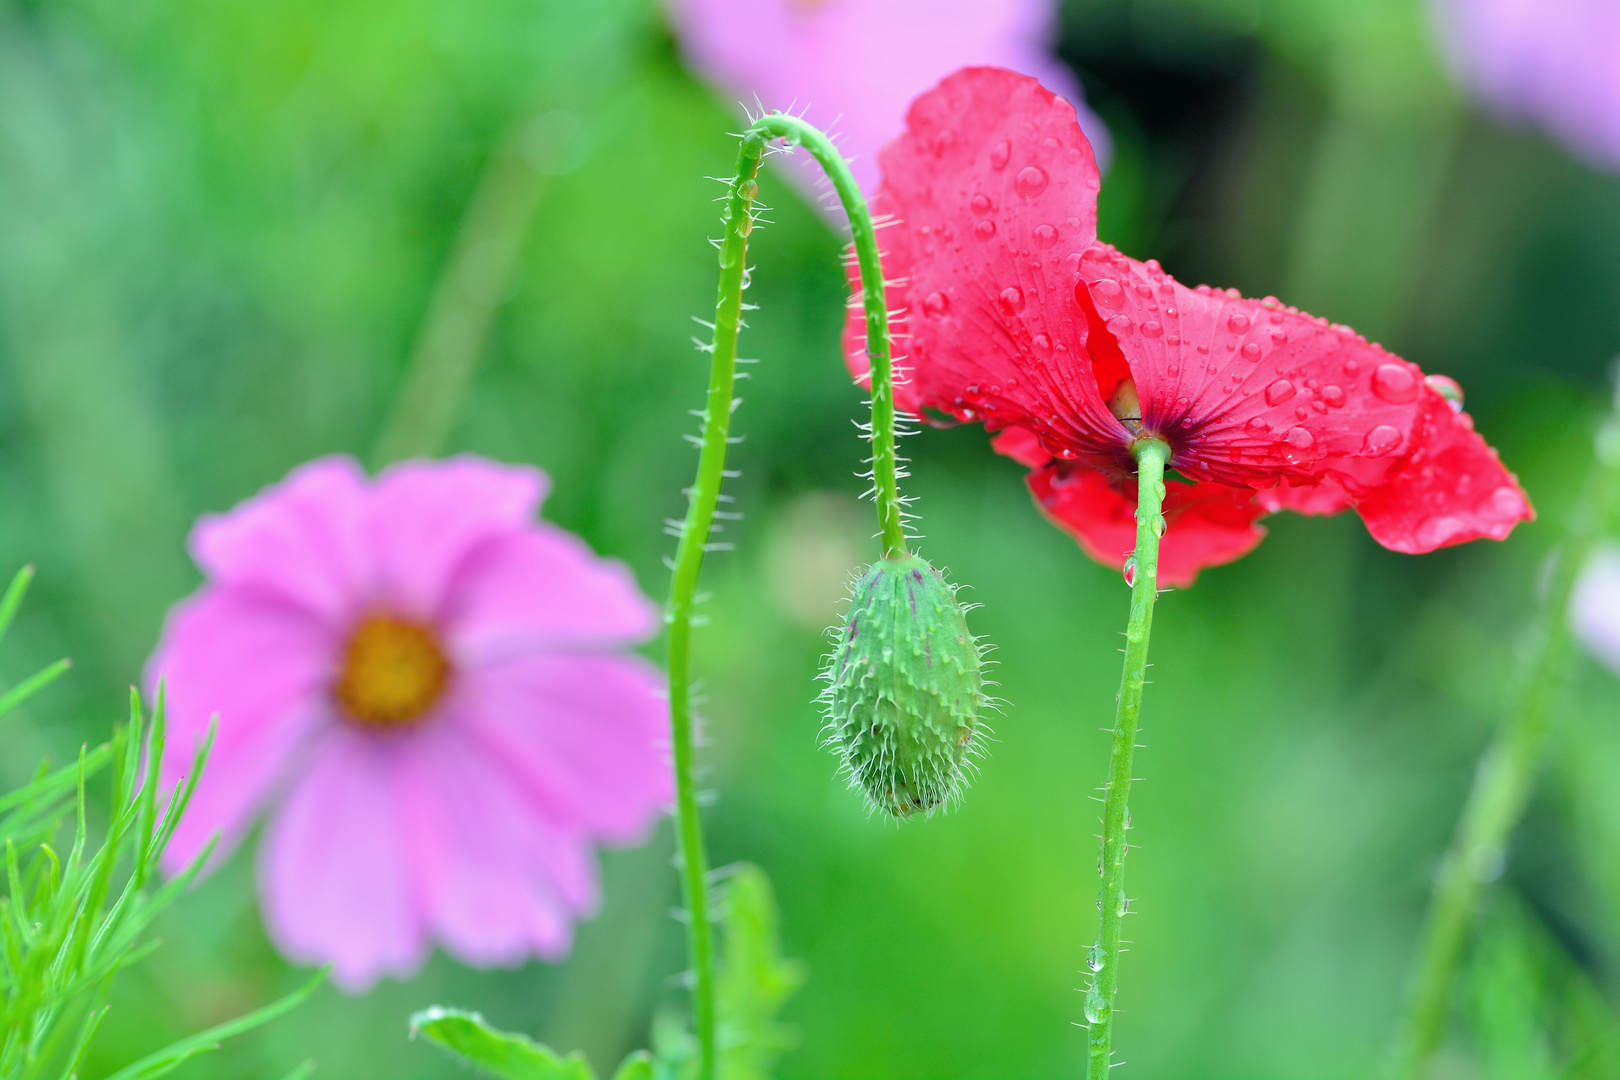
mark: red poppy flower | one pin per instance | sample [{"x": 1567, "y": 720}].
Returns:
[{"x": 1016, "y": 317}]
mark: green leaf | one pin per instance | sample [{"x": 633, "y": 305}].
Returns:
[
  {"x": 754, "y": 980},
  {"x": 499, "y": 1053},
  {"x": 638, "y": 1066},
  {"x": 174, "y": 1055}
]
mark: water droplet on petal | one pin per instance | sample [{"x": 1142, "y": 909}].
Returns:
[
  {"x": 1351, "y": 367},
  {"x": 1279, "y": 392},
  {"x": 1252, "y": 351},
  {"x": 999, "y": 155},
  {"x": 1257, "y": 426},
  {"x": 1333, "y": 395},
  {"x": 980, "y": 203},
  {"x": 1045, "y": 235},
  {"x": 1238, "y": 324},
  {"x": 1381, "y": 440},
  {"x": 984, "y": 230},
  {"x": 1508, "y": 504},
  {"x": 936, "y": 304},
  {"x": 1447, "y": 388},
  {"x": 1120, "y": 325},
  {"x": 1108, "y": 293},
  {"x": 1300, "y": 444},
  {"x": 1043, "y": 346},
  {"x": 1030, "y": 181},
  {"x": 1278, "y": 337},
  {"x": 1151, "y": 329},
  {"x": 1395, "y": 383},
  {"x": 1011, "y": 300},
  {"x": 1144, "y": 290}
]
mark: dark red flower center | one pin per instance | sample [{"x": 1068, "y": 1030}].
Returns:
[{"x": 393, "y": 672}]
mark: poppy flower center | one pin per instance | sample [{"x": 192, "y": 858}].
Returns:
[{"x": 393, "y": 672}]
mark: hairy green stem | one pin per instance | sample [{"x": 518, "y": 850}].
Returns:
[
  {"x": 1151, "y": 458},
  {"x": 704, "y": 498},
  {"x": 1506, "y": 772}
]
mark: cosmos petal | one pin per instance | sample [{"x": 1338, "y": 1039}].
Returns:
[
  {"x": 587, "y": 736},
  {"x": 258, "y": 663},
  {"x": 334, "y": 871}
]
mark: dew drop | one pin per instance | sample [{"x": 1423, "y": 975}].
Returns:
[
  {"x": 936, "y": 304},
  {"x": 1447, "y": 388},
  {"x": 1043, "y": 345},
  {"x": 1319, "y": 405},
  {"x": 1257, "y": 426},
  {"x": 1130, "y": 571},
  {"x": 1395, "y": 383},
  {"x": 985, "y": 230},
  {"x": 1030, "y": 181},
  {"x": 1333, "y": 395},
  {"x": 1381, "y": 440},
  {"x": 1238, "y": 324},
  {"x": 1279, "y": 337},
  {"x": 1120, "y": 325},
  {"x": 1144, "y": 290},
  {"x": 1175, "y": 369},
  {"x": 1252, "y": 351},
  {"x": 1300, "y": 439},
  {"x": 999, "y": 155},
  {"x": 1045, "y": 235},
  {"x": 1011, "y": 300},
  {"x": 1151, "y": 328},
  {"x": 1279, "y": 392},
  {"x": 980, "y": 203},
  {"x": 1173, "y": 339},
  {"x": 1301, "y": 412},
  {"x": 1351, "y": 367},
  {"x": 1108, "y": 292}
]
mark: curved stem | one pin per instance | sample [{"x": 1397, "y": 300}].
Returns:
[
  {"x": 1151, "y": 458},
  {"x": 1506, "y": 772},
  {"x": 704, "y": 497},
  {"x": 885, "y": 467}
]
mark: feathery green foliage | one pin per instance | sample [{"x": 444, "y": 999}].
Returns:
[{"x": 70, "y": 923}]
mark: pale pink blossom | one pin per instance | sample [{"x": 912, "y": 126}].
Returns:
[
  {"x": 426, "y": 693},
  {"x": 1553, "y": 63},
  {"x": 853, "y": 66},
  {"x": 1594, "y": 609}
]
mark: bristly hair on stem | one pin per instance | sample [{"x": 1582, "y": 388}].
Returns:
[
  {"x": 695, "y": 530},
  {"x": 1112, "y": 904}
]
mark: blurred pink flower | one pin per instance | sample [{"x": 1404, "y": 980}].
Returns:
[
  {"x": 1594, "y": 610},
  {"x": 1554, "y": 63},
  {"x": 426, "y": 687},
  {"x": 854, "y": 66}
]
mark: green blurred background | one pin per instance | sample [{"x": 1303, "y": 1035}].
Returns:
[{"x": 221, "y": 223}]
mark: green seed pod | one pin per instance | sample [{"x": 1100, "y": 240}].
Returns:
[{"x": 906, "y": 688}]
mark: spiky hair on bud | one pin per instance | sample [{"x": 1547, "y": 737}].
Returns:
[{"x": 905, "y": 695}]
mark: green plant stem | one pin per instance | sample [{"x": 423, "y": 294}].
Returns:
[
  {"x": 704, "y": 498},
  {"x": 1151, "y": 458},
  {"x": 885, "y": 463},
  {"x": 470, "y": 288},
  {"x": 1506, "y": 772}
]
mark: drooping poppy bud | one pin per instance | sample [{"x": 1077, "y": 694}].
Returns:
[{"x": 907, "y": 688}]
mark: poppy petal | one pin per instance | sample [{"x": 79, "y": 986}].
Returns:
[
  {"x": 1022, "y": 446},
  {"x": 995, "y": 191},
  {"x": 1248, "y": 390},
  {"x": 1450, "y": 489},
  {"x": 1207, "y": 523}
]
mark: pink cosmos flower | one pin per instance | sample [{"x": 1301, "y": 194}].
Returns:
[
  {"x": 1594, "y": 610},
  {"x": 855, "y": 65},
  {"x": 1555, "y": 63},
  {"x": 426, "y": 688}
]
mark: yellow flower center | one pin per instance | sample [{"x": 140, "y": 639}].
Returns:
[{"x": 393, "y": 672}]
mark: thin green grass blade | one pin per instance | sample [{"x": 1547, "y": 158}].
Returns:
[
  {"x": 502, "y": 1054},
  {"x": 32, "y": 685}
]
